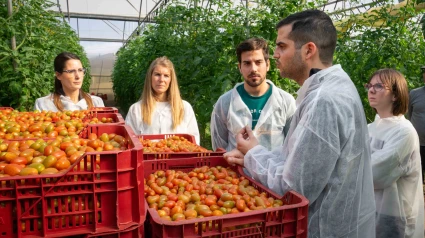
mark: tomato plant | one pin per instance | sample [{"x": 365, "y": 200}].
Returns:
[
  {"x": 397, "y": 43},
  {"x": 40, "y": 36},
  {"x": 201, "y": 42}
]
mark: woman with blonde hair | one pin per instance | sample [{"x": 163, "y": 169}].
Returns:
[
  {"x": 161, "y": 109},
  {"x": 68, "y": 95},
  {"x": 396, "y": 162}
]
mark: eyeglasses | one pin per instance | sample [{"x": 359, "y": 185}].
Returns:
[
  {"x": 377, "y": 87},
  {"x": 73, "y": 71}
]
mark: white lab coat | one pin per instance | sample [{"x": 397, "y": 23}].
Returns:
[
  {"x": 231, "y": 114},
  {"x": 46, "y": 103},
  {"x": 325, "y": 157},
  {"x": 396, "y": 166},
  {"x": 162, "y": 121}
]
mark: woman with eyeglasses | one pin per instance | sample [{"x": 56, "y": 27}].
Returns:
[
  {"x": 161, "y": 109},
  {"x": 396, "y": 162},
  {"x": 68, "y": 95}
]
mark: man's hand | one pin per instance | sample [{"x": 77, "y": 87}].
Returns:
[
  {"x": 234, "y": 157},
  {"x": 246, "y": 140}
]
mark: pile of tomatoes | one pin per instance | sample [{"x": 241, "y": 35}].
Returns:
[
  {"x": 203, "y": 192},
  {"x": 101, "y": 120},
  {"x": 171, "y": 144},
  {"x": 33, "y": 157},
  {"x": 14, "y": 115},
  {"x": 45, "y": 124},
  {"x": 108, "y": 109}
]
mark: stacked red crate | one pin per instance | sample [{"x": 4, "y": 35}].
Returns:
[{"x": 99, "y": 193}]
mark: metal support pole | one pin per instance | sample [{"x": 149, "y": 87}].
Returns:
[
  {"x": 247, "y": 18},
  {"x": 140, "y": 11},
  {"x": 13, "y": 40},
  {"x": 67, "y": 8},
  {"x": 78, "y": 28},
  {"x": 60, "y": 10},
  {"x": 123, "y": 31},
  {"x": 422, "y": 21}
]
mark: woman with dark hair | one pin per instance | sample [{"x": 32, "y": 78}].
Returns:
[
  {"x": 396, "y": 162},
  {"x": 68, "y": 95},
  {"x": 161, "y": 109}
]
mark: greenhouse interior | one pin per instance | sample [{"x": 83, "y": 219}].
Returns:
[{"x": 212, "y": 118}]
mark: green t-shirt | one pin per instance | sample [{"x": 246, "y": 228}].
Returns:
[{"x": 254, "y": 104}]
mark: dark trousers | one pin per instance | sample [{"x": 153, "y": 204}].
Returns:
[
  {"x": 422, "y": 149},
  {"x": 390, "y": 227}
]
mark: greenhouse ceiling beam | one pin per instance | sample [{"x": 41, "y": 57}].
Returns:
[
  {"x": 149, "y": 18},
  {"x": 374, "y": 2},
  {"x": 102, "y": 39},
  {"x": 344, "y": 24},
  {"x": 104, "y": 17}
]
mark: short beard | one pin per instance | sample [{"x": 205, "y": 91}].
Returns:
[
  {"x": 254, "y": 84},
  {"x": 296, "y": 69}
]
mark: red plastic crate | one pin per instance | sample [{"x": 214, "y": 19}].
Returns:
[
  {"x": 104, "y": 109},
  {"x": 176, "y": 155},
  {"x": 85, "y": 199},
  {"x": 289, "y": 220},
  {"x": 132, "y": 232},
  {"x": 6, "y": 108}
]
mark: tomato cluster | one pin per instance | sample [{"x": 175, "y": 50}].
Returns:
[
  {"x": 32, "y": 157},
  {"x": 19, "y": 125},
  {"x": 171, "y": 144},
  {"x": 101, "y": 120},
  {"x": 45, "y": 124},
  {"x": 203, "y": 192},
  {"x": 13, "y": 115},
  {"x": 111, "y": 109}
]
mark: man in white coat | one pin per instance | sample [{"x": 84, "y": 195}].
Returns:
[
  {"x": 326, "y": 154},
  {"x": 256, "y": 102}
]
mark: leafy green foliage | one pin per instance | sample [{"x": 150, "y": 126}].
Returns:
[
  {"x": 202, "y": 41},
  {"x": 398, "y": 44},
  {"x": 40, "y": 36}
]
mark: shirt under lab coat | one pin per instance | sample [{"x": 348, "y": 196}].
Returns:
[{"x": 231, "y": 114}]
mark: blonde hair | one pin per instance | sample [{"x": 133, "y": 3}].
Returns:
[
  {"x": 173, "y": 94},
  {"x": 397, "y": 84},
  {"x": 59, "y": 64}
]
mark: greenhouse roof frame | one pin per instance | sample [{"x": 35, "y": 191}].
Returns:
[
  {"x": 104, "y": 26},
  {"x": 85, "y": 9},
  {"x": 135, "y": 14}
]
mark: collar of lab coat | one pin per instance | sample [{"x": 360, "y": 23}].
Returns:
[
  {"x": 66, "y": 99},
  {"x": 393, "y": 118},
  {"x": 238, "y": 104},
  {"x": 313, "y": 82}
]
